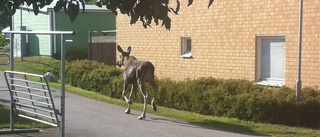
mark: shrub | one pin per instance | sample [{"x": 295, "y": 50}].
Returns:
[
  {"x": 3, "y": 41},
  {"x": 93, "y": 76},
  {"x": 210, "y": 96},
  {"x": 309, "y": 108},
  {"x": 243, "y": 100},
  {"x": 73, "y": 54}
]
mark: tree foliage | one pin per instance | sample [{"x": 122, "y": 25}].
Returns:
[
  {"x": 4, "y": 20},
  {"x": 3, "y": 41},
  {"x": 144, "y": 11}
]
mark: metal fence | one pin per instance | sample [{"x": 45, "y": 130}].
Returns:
[
  {"x": 32, "y": 100},
  {"x": 62, "y": 78}
]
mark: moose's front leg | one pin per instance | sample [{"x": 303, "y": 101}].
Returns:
[{"x": 125, "y": 85}]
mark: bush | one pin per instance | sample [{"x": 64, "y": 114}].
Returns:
[
  {"x": 243, "y": 100},
  {"x": 73, "y": 54},
  {"x": 219, "y": 97},
  {"x": 94, "y": 76},
  {"x": 3, "y": 41}
]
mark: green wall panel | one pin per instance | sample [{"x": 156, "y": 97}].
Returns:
[
  {"x": 37, "y": 44},
  {"x": 88, "y": 21}
]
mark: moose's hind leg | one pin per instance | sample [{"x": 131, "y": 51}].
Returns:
[
  {"x": 155, "y": 96},
  {"x": 145, "y": 98}
]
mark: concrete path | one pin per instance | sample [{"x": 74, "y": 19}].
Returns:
[{"x": 90, "y": 118}]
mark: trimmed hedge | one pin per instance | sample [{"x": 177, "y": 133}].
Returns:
[
  {"x": 94, "y": 76},
  {"x": 3, "y": 41},
  {"x": 241, "y": 99}
]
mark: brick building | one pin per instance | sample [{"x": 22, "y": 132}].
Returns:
[{"x": 241, "y": 39}]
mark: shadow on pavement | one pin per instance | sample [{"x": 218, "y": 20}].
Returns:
[{"x": 210, "y": 124}]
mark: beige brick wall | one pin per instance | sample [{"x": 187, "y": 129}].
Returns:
[{"x": 224, "y": 39}]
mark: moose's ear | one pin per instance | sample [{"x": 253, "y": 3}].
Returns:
[
  {"x": 129, "y": 49},
  {"x": 119, "y": 49}
]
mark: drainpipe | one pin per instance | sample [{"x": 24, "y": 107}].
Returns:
[
  {"x": 298, "y": 83},
  {"x": 21, "y": 44}
]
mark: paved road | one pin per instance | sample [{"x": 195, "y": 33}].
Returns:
[{"x": 90, "y": 118}]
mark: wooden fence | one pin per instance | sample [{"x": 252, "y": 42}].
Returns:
[
  {"x": 102, "y": 48},
  {"x": 103, "y": 52}
]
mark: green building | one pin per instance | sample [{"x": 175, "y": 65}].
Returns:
[{"x": 93, "y": 19}]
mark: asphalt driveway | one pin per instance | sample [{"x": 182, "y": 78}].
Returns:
[{"x": 90, "y": 118}]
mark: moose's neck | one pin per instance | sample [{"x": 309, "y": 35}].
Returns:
[{"x": 129, "y": 60}]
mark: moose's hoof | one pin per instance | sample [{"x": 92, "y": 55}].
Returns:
[
  {"x": 154, "y": 106},
  {"x": 127, "y": 111},
  {"x": 141, "y": 117}
]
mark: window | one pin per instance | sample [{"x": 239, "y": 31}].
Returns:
[
  {"x": 186, "y": 47},
  {"x": 270, "y": 60}
]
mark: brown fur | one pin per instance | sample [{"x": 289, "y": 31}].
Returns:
[{"x": 137, "y": 73}]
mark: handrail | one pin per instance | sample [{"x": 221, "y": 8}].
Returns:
[
  {"x": 41, "y": 32},
  {"x": 5, "y": 55}
]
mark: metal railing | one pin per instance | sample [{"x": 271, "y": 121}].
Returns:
[
  {"x": 62, "y": 70},
  {"x": 5, "y": 61},
  {"x": 32, "y": 100}
]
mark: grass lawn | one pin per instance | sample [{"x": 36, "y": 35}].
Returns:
[
  {"x": 20, "y": 123},
  {"x": 41, "y": 65}
]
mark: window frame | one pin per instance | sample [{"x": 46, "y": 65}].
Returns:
[
  {"x": 268, "y": 81},
  {"x": 185, "y": 52}
]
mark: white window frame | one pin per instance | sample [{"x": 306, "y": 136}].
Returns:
[
  {"x": 267, "y": 82},
  {"x": 185, "y": 52}
]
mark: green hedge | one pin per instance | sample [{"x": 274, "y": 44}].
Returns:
[
  {"x": 241, "y": 99},
  {"x": 94, "y": 76},
  {"x": 3, "y": 41}
]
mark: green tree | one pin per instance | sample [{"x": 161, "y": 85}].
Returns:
[
  {"x": 5, "y": 20},
  {"x": 145, "y": 11}
]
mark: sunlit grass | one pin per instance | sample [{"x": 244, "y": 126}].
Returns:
[
  {"x": 37, "y": 65},
  {"x": 19, "y": 122}
]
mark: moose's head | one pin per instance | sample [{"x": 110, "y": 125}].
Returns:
[{"x": 123, "y": 56}]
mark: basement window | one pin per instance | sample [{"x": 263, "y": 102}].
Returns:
[{"x": 186, "y": 47}]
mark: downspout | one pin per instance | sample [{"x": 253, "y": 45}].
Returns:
[
  {"x": 298, "y": 83},
  {"x": 54, "y": 29},
  {"x": 21, "y": 45},
  {"x": 20, "y": 16},
  {"x": 51, "y": 36},
  {"x": 52, "y": 26}
]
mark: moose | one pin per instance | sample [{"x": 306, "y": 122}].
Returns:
[{"x": 137, "y": 73}]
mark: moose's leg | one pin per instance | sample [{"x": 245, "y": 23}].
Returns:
[
  {"x": 133, "y": 89},
  {"x": 125, "y": 85},
  {"x": 153, "y": 102},
  {"x": 145, "y": 98},
  {"x": 155, "y": 96}
]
